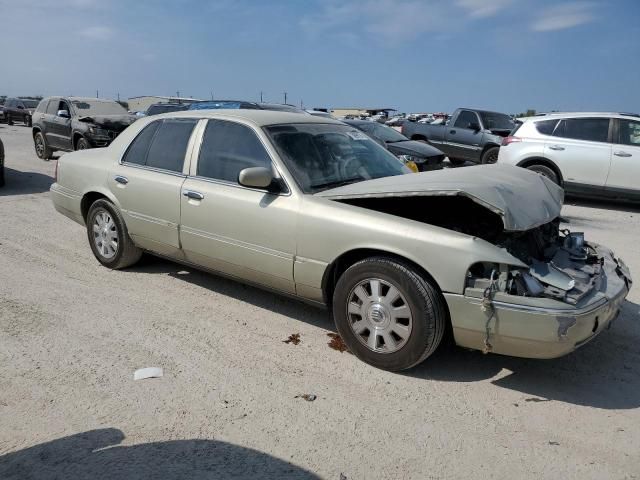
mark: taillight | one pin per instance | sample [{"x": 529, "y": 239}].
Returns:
[{"x": 508, "y": 140}]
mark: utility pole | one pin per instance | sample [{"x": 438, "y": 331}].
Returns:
[
  {"x": 261, "y": 92},
  {"x": 118, "y": 96},
  {"x": 211, "y": 94},
  {"x": 285, "y": 97},
  {"x": 301, "y": 105},
  {"x": 97, "y": 96},
  {"x": 178, "y": 93}
]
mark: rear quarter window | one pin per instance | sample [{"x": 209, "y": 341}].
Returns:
[{"x": 546, "y": 127}]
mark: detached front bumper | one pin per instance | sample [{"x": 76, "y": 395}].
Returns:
[{"x": 541, "y": 327}]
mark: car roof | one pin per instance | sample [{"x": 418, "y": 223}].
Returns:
[
  {"x": 259, "y": 118},
  {"x": 81, "y": 99},
  {"x": 552, "y": 115}
]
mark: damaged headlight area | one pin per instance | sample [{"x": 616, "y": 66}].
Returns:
[{"x": 561, "y": 264}]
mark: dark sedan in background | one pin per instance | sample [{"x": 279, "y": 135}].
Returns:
[
  {"x": 19, "y": 110},
  {"x": 421, "y": 155}
]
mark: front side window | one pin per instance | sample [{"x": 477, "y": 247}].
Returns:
[
  {"x": 629, "y": 133},
  {"x": 322, "y": 156},
  {"x": 52, "y": 108},
  {"x": 227, "y": 148},
  {"x": 465, "y": 118},
  {"x": 590, "y": 129}
]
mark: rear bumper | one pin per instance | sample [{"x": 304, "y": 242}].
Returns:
[
  {"x": 67, "y": 202},
  {"x": 534, "y": 331}
]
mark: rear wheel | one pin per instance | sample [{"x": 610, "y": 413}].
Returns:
[
  {"x": 42, "y": 149},
  {"x": 27, "y": 120},
  {"x": 545, "y": 172},
  {"x": 490, "y": 156},
  {"x": 9, "y": 119},
  {"x": 388, "y": 314},
  {"x": 108, "y": 236}
]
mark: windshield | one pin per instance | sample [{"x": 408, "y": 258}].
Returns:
[
  {"x": 382, "y": 132},
  {"x": 214, "y": 105},
  {"x": 496, "y": 121},
  {"x": 89, "y": 108},
  {"x": 324, "y": 156},
  {"x": 30, "y": 103}
]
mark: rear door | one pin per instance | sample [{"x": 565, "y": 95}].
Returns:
[
  {"x": 464, "y": 142},
  {"x": 245, "y": 232},
  {"x": 624, "y": 175},
  {"x": 148, "y": 180},
  {"x": 580, "y": 147}
]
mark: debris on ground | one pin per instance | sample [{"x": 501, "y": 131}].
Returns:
[
  {"x": 336, "y": 342},
  {"x": 551, "y": 442},
  {"x": 309, "y": 397},
  {"x": 343, "y": 476},
  {"x": 293, "y": 338},
  {"x": 149, "y": 372},
  {"x": 536, "y": 399}
]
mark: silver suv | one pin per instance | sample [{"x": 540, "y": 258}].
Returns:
[{"x": 594, "y": 154}]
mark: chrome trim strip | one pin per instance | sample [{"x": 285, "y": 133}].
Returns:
[
  {"x": 153, "y": 169},
  {"x": 236, "y": 243},
  {"x": 150, "y": 219},
  {"x": 539, "y": 310}
]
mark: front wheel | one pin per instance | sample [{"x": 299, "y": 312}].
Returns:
[
  {"x": 388, "y": 314},
  {"x": 27, "y": 120},
  {"x": 108, "y": 236},
  {"x": 9, "y": 119},
  {"x": 545, "y": 172},
  {"x": 490, "y": 156},
  {"x": 42, "y": 149},
  {"x": 82, "y": 144}
]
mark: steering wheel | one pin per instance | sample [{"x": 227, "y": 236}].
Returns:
[{"x": 350, "y": 163}]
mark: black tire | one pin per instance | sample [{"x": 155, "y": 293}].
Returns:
[
  {"x": 425, "y": 303},
  {"x": 42, "y": 149},
  {"x": 82, "y": 144},
  {"x": 125, "y": 253},
  {"x": 27, "y": 120},
  {"x": 490, "y": 156},
  {"x": 1, "y": 164},
  {"x": 9, "y": 119},
  {"x": 457, "y": 161},
  {"x": 545, "y": 172}
]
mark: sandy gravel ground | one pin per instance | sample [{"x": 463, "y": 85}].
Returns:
[{"x": 72, "y": 333}]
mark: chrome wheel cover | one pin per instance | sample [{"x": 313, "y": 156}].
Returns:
[
  {"x": 379, "y": 315},
  {"x": 105, "y": 234},
  {"x": 39, "y": 146}
]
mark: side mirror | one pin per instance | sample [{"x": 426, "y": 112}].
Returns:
[
  {"x": 63, "y": 114},
  {"x": 474, "y": 126},
  {"x": 255, "y": 177}
]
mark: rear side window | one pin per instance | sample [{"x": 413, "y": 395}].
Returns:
[
  {"x": 629, "y": 133},
  {"x": 590, "y": 129},
  {"x": 546, "y": 127},
  {"x": 465, "y": 118},
  {"x": 161, "y": 144},
  {"x": 52, "y": 109},
  {"x": 227, "y": 148},
  {"x": 42, "y": 106},
  {"x": 169, "y": 145}
]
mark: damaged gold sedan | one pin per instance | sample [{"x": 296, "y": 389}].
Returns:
[{"x": 315, "y": 209}]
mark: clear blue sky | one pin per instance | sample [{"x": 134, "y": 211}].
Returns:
[{"x": 414, "y": 55}]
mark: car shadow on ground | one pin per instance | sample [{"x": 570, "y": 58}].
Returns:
[
  {"x": 97, "y": 454},
  {"x": 602, "y": 374},
  {"x": 258, "y": 297},
  {"x": 24, "y": 183}
]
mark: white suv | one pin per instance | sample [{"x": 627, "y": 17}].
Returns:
[{"x": 594, "y": 154}]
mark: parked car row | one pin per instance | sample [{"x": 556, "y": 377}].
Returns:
[{"x": 317, "y": 209}]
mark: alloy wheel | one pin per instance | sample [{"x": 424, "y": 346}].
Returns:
[{"x": 105, "y": 234}]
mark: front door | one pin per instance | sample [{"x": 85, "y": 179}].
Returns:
[
  {"x": 57, "y": 128},
  {"x": 148, "y": 182},
  {"x": 464, "y": 142},
  {"x": 245, "y": 232},
  {"x": 624, "y": 175}
]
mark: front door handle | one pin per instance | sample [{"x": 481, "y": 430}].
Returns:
[
  {"x": 120, "y": 179},
  {"x": 193, "y": 195},
  {"x": 622, "y": 154},
  {"x": 556, "y": 147}
]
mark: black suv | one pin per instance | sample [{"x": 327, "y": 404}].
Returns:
[
  {"x": 19, "y": 109},
  {"x": 75, "y": 123}
]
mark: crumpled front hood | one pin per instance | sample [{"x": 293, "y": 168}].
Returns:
[
  {"x": 523, "y": 199},
  {"x": 412, "y": 147},
  {"x": 112, "y": 122}
]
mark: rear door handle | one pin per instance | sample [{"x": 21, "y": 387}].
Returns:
[
  {"x": 556, "y": 147},
  {"x": 193, "y": 195},
  {"x": 121, "y": 179},
  {"x": 622, "y": 154}
]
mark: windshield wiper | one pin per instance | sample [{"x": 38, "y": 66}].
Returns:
[{"x": 336, "y": 183}]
